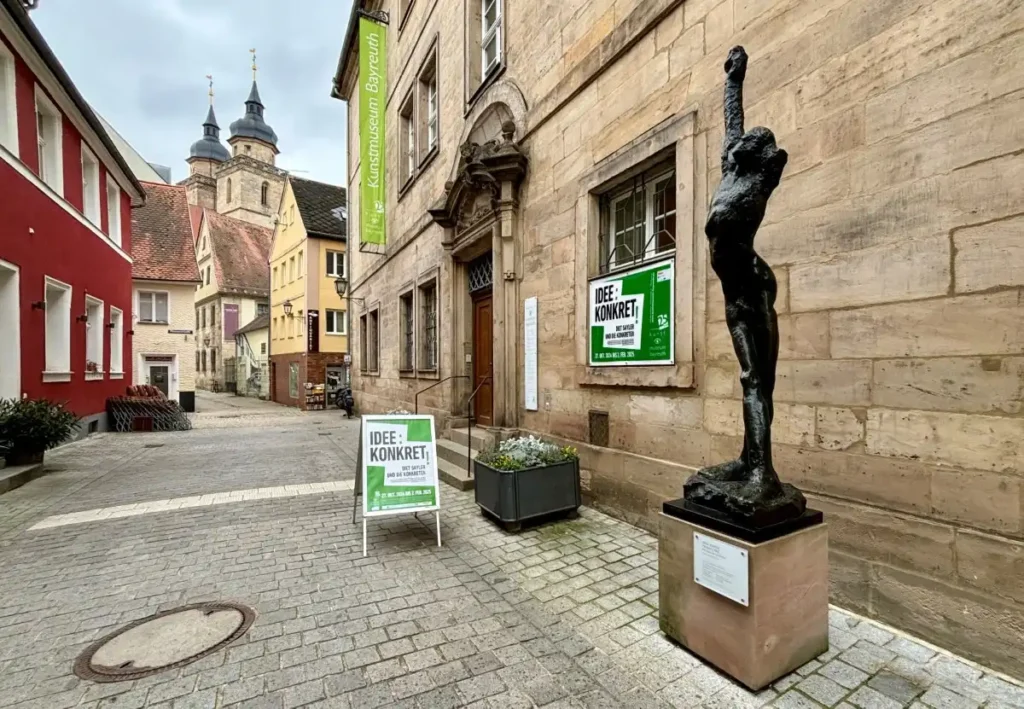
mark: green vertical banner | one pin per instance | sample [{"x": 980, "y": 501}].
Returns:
[
  {"x": 632, "y": 317},
  {"x": 372, "y": 99},
  {"x": 399, "y": 464}
]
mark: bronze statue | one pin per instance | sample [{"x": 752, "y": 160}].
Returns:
[{"x": 746, "y": 491}]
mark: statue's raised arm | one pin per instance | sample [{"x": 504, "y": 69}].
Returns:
[{"x": 735, "y": 72}]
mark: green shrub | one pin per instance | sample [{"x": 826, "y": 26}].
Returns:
[
  {"x": 526, "y": 452},
  {"x": 29, "y": 426}
]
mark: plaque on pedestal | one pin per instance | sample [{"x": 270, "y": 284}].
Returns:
[{"x": 756, "y": 611}]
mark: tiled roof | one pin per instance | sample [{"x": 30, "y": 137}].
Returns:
[
  {"x": 196, "y": 213},
  {"x": 241, "y": 253},
  {"x": 320, "y": 205},
  {"x": 262, "y": 322},
  {"x": 162, "y": 245}
]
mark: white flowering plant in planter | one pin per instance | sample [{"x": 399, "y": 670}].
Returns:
[{"x": 524, "y": 452}]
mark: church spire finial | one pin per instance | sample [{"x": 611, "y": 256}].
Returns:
[
  {"x": 210, "y": 79},
  {"x": 253, "y": 53}
]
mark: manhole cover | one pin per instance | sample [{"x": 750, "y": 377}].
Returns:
[{"x": 164, "y": 641}]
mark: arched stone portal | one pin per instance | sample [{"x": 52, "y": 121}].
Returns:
[{"x": 479, "y": 213}]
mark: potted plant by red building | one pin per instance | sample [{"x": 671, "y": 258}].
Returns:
[
  {"x": 525, "y": 478},
  {"x": 30, "y": 427}
]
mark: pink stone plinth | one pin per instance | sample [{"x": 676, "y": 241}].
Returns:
[{"x": 785, "y": 625}]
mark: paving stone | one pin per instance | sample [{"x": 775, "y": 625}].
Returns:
[
  {"x": 868, "y": 698},
  {"x": 873, "y": 633},
  {"x": 794, "y": 700},
  {"x": 303, "y": 694},
  {"x": 423, "y": 659},
  {"x": 447, "y": 697},
  {"x": 844, "y": 674},
  {"x": 206, "y": 699},
  {"x": 896, "y": 687},
  {"x": 942, "y": 698},
  {"x": 867, "y": 657},
  {"x": 481, "y": 687},
  {"x": 381, "y": 671},
  {"x": 953, "y": 673},
  {"x": 822, "y": 690}
]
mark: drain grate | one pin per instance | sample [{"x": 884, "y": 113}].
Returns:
[{"x": 164, "y": 641}]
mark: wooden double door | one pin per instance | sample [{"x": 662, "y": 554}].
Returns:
[{"x": 483, "y": 358}]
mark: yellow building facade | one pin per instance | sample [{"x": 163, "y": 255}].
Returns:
[{"x": 308, "y": 320}]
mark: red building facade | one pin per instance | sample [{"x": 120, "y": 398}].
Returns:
[{"x": 65, "y": 234}]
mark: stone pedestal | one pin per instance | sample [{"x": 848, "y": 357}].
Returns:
[{"x": 785, "y": 624}]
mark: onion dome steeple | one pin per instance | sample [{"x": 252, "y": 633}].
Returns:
[
  {"x": 209, "y": 146},
  {"x": 252, "y": 125}
]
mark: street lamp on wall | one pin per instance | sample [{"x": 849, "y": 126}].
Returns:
[
  {"x": 341, "y": 285},
  {"x": 206, "y": 340},
  {"x": 287, "y": 308}
]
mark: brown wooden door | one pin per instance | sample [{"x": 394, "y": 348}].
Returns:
[{"x": 483, "y": 341}]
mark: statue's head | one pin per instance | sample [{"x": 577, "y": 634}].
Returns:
[{"x": 756, "y": 151}]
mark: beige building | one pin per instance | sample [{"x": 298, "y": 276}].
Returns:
[
  {"x": 232, "y": 256},
  {"x": 234, "y": 196},
  {"x": 534, "y": 149},
  {"x": 164, "y": 281},
  {"x": 309, "y": 323}
]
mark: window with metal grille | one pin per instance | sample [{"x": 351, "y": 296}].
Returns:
[
  {"x": 373, "y": 341},
  {"x": 408, "y": 333},
  {"x": 204, "y": 361},
  {"x": 481, "y": 273},
  {"x": 638, "y": 219},
  {"x": 428, "y": 326},
  {"x": 363, "y": 349}
]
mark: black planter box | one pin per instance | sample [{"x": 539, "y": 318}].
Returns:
[{"x": 516, "y": 496}]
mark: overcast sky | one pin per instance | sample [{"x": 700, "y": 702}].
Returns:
[{"x": 142, "y": 63}]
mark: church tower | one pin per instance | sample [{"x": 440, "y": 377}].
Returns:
[
  {"x": 205, "y": 156},
  {"x": 249, "y": 186}
]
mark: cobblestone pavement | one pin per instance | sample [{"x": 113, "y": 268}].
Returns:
[{"x": 558, "y": 616}]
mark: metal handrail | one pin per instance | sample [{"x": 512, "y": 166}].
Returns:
[
  {"x": 416, "y": 399},
  {"x": 469, "y": 430}
]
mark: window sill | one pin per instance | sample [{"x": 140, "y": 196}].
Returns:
[
  {"x": 420, "y": 169},
  {"x": 666, "y": 376},
  {"x": 117, "y": 375},
  {"x": 335, "y": 334},
  {"x": 94, "y": 376},
  {"x": 407, "y": 373},
  {"x": 50, "y": 377},
  {"x": 154, "y": 322},
  {"x": 368, "y": 373},
  {"x": 429, "y": 374},
  {"x": 485, "y": 84}
]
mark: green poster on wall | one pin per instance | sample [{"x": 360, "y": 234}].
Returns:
[
  {"x": 399, "y": 465},
  {"x": 632, "y": 316},
  {"x": 372, "y": 99}
]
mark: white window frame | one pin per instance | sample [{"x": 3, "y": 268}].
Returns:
[
  {"x": 407, "y": 136},
  {"x": 50, "y": 150},
  {"x": 10, "y": 324},
  {"x": 421, "y": 325},
  {"x": 432, "y": 112},
  {"x": 90, "y": 186},
  {"x": 153, "y": 311},
  {"x": 8, "y": 101},
  {"x": 487, "y": 34},
  {"x": 650, "y": 244},
  {"x": 116, "y": 343},
  {"x": 57, "y": 332},
  {"x": 339, "y": 258},
  {"x": 113, "y": 210},
  {"x": 94, "y": 324},
  {"x": 299, "y": 264}
]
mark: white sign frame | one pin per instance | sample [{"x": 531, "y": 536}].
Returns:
[
  {"x": 366, "y": 421},
  {"x": 721, "y": 567},
  {"x": 530, "y": 355}
]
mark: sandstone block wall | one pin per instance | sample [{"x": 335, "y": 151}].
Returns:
[{"x": 895, "y": 236}]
